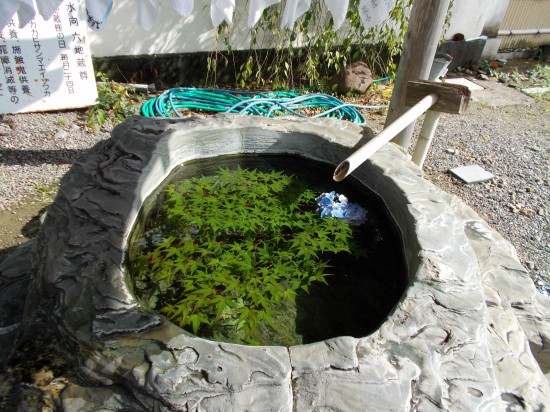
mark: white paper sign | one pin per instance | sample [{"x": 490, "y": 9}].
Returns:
[
  {"x": 97, "y": 12},
  {"x": 221, "y": 10},
  {"x": 256, "y": 8},
  {"x": 374, "y": 12},
  {"x": 338, "y": 9},
  {"x": 46, "y": 65},
  {"x": 183, "y": 7},
  {"x": 293, "y": 10}
]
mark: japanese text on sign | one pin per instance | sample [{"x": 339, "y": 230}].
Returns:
[
  {"x": 374, "y": 12},
  {"x": 47, "y": 64}
]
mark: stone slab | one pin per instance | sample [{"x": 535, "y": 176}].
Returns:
[
  {"x": 465, "y": 82},
  {"x": 535, "y": 91},
  {"x": 508, "y": 96},
  {"x": 472, "y": 174}
]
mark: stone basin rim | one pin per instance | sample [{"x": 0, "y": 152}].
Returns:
[{"x": 99, "y": 201}]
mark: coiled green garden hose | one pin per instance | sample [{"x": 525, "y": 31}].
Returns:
[{"x": 272, "y": 104}]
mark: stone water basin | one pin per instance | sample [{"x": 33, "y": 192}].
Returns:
[{"x": 433, "y": 352}]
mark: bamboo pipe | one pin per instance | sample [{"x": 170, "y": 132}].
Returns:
[
  {"x": 362, "y": 154},
  {"x": 425, "y": 137}
]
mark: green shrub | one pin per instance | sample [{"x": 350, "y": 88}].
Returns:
[{"x": 114, "y": 102}]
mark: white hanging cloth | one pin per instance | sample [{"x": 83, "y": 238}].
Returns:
[
  {"x": 46, "y": 8},
  {"x": 256, "y": 8},
  {"x": 183, "y": 7},
  {"x": 147, "y": 13},
  {"x": 97, "y": 12},
  {"x": 338, "y": 9},
  {"x": 293, "y": 10},
  {"x": 7, "y": 9},
  {"x": 221, "y": 10},
  {"x": 24, "y": 9},
  {"x": 26, "y": 12},
  {"x": 374, "y": 12}
]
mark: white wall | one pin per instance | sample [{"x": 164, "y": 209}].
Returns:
[
  {"x": 172, "y": 34},
  {"x": 469, "y": 17}
]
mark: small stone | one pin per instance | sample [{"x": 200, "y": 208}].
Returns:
[
  {"x": 526, "y": 212},
  {"x": 450, "y": 151},
  {"x": 541, "y": 212},
  {"x": 535, "y": 148},
  {"x": 530, "y": 265},
  {"x": 482, "y": 76},
  {"x": 61, "y": 134},
  {"x": 537, "y": 238}
]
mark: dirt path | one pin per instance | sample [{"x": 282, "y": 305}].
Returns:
[{"x": 21, "y": 222}]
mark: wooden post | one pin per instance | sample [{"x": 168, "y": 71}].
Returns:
[{"x": 425, "y": 29}]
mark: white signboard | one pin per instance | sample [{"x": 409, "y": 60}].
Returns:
[{"x": 46, "y": 65}]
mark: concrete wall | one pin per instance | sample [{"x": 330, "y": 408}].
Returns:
[
  {"x": 172, "y": 34},
  {"x": 470, "y": 16},
  {"x": 122, "y": 36}
]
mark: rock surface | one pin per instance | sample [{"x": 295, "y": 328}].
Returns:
[
  {"x": 455, "y": 341},
  {"x": 355, "y": 78}
]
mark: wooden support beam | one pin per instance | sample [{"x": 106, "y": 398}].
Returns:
[
  {"x": 452, "y": 98},
  {"x": 425, "y": 29}
]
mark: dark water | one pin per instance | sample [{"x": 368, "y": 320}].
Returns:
[{"x": 362, "y": 289}]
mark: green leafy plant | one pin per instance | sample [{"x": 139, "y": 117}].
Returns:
[
  {"x": 234, "y": 248},
  {"x": 61, "y": 122},
  {"x": 313, "y": 51},
  {"x": 489, "y": 67},
  {"x": 114, "y": 102},
  {"x": 539, "y": 75}
]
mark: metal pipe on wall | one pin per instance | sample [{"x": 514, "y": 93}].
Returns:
[{"x": 520, "y": 32}]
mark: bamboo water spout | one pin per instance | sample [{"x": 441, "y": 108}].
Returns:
[
  {"x": 362, "y": 154},
  {"x": 421, "y": 97}
]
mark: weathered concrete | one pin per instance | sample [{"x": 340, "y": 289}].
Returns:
[{"x": 455, "y": 341}]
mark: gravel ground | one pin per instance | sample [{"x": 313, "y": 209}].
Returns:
[
  {"x": 503, "y": 131},
  {"x": 513, "y": 144},
  {"x": 36, "y": 149}
]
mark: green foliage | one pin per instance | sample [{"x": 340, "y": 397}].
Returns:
[
  {"x": 312, "y": 51},
  {"x": 235, "y": 247},
  {"x": 489, "y": 67},
  {"x": 114, "y": 102},
  {"x": 537, "y": 75}
]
